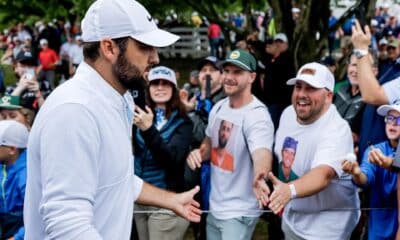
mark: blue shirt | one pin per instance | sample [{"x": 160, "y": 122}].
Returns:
[
  {"x": 13, "y": 182},
  {"x": 382, "y": 224}
]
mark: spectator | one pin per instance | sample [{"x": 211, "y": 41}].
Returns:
[
  {"x": 234, "y": 215},
  {"x": 348, "y": 99},
  {"x": 13, "y": 139},
  {"x": 320, "y": 185},
  {"x": 10, "y": 109},
  {"x": 277, "y": 71},
  {"x": 214, "y": 36},
  {"x": 48, "y": 59},
  {"x": 31, "y": 92},
  {"x": 382, "y": 224},
  {"x": 162, "y": 142}
]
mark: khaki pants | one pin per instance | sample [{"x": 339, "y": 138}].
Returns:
[{"x": 160, "y": 225}]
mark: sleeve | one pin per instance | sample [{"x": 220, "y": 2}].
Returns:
[
  {"x": 259, "y": 129},
  {"x": 333, "y": 147},
  {"x": 137, "y": 187},
  {"x": 69, "y": 169},
  {"x": 173, "y": 152},
  {"x": 392, "y": 89},
  {"x": 368, "y": 169},
  {"x": 20, "y": 234}
]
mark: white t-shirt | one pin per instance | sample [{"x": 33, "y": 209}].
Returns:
[
  {"x": 231, "y": 182},
  {"x": 392, "y": 90},
  {"x": 324, "y": 142},
  {"x": 80, "y": 181}
]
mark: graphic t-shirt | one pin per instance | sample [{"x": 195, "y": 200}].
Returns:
[
  {"x": 231, "y": 165},
  {"x": 324, "y": 142}
]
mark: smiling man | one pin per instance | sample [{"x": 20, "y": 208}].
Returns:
[
  {"x": 238, "y": 141},
  {"x": 80, "y": 182},
  {"x": 318, "y": 185}
]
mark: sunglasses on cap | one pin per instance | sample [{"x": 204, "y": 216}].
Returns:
[{"x": 392, "y": 119}]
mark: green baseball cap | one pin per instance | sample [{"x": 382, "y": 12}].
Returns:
[
  {"x": 9, "y": 102},
  {"x": 242, "y": 59}
]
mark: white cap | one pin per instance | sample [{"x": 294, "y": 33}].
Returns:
[
  {"x": 315, "y": 74},
  {"x": 281, "y": 36},
  {"x": 162, "y": 72},
  {"x": 384, "y": 109},
  {"x": 123, "y": 18},
  {"x": 13, "y": 134},
  {"x": 295, "y": 10},
  {"x": 78, "y": 38},
  {"x": 383, "y": 41},
  {"x": 43, "y": 41}
]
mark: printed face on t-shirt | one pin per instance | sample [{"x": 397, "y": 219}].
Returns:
[{"x": 224, "y": 133}]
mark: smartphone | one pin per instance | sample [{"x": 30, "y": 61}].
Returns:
[
  {"x": 30, "y": 73},
  {"x": 208, "y": 86},
  {"x": 139, "y": 97},
  {"x": 360, "y": 15}
]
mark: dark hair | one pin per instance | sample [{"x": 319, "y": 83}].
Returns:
[
  {"x": 91, "y": 49},
  {"x": 173, "y": 104}
]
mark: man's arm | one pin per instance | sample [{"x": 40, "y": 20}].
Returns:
[
  {"x": 371, "y": 91},
  {"x": 309, "y": 184},
  {"x": 262, "y": 165},
  {"x": 182, "y": 204}
]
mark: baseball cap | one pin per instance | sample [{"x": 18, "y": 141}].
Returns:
[
  {"x": 315, "y": 74},
  {"x": 13, "y": 134},
  {"x": 211, "y": 60},
  {"x": 10, "y": 102},
  {"x": 242, "y": 59},
  {"x": 384, "y": 109},
  {"x": 383, "y": 41},
  {"x": 162, "y": 72},
  {"x": 328, "y": 61},
  {"x": 393, "y": 43},
  {"x": 43, "y": 41},
  {"x": 281, "y": 37},
  {"x": 123, "y": 18},
  {"x": 26, "y": 58}
]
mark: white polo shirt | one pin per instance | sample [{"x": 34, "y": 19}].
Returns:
[{"x": 80, "y": 182}]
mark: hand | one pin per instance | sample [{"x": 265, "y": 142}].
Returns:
[
  {"x": 186, "y": 206},
  {"x": 189, "y": 104},
  {"x": 280, "y": 196},
  {"x": 194, "y": 159},
  {"x": 261, "y": 190},
  {"x": 143, "y": 120},
  {"x": 33, "y": 85},
  {"x": 351, "y": 167},
  {"x": 376, "y": 157},
  {"x": 360, "y": 39}
]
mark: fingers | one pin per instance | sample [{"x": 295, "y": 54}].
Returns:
[
  {"x": 347, "y": 166},
  {"x": 194, "y": 190},
  {"x": 273, "y": 179},
  {"x": 194, "y": 159}
]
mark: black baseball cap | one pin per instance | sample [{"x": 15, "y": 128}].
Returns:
[
  {"x": 26, "y": 58},
  {"x": 210, "y": 60}
]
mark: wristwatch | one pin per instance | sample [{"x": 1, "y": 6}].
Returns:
[{"x": 359, "y": 53}]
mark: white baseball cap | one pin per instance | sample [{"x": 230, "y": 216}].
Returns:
[
  {"x": 13, "y": 134},
  {"x": 123, "y": 18},
  {"x": 162, "y": 72},
  {"x": 315, "y": 74},
  {"x": 384, "y": 109},
  {"x": 43, "y": 41},
  {"x": 281, "y": 36}
]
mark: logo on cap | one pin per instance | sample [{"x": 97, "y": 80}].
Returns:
[
  {"x": 308, "y": 71},
  {"x": 6, "y": 99},
  {"x": 234, "y": 55}
]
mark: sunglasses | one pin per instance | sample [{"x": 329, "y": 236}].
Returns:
[{"x": 392, "y": 119}]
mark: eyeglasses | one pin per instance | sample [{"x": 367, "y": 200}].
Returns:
[{"x": 392, "y": 119}]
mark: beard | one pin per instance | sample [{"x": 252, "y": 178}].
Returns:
[
  {"x": 222, "y": 143},
  {"x": 128, "y": 74}
]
